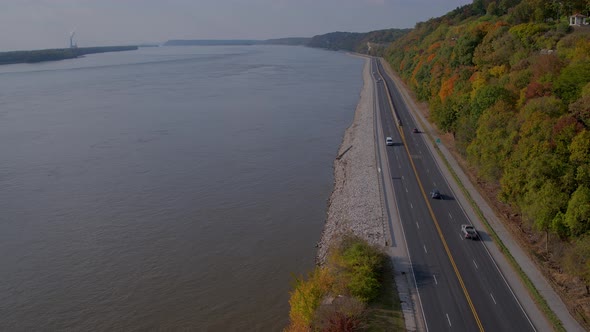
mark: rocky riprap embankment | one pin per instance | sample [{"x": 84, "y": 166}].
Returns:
[{"x": 355, "y": 204}]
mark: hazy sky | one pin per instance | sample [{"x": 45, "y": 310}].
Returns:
[{"x": 35, "y": 24}]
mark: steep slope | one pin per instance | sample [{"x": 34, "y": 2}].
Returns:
[{"x": 510, "y": 81}]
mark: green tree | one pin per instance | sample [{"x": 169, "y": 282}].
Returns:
[
  {"x": 361, "y": 263},
  {"x": 550, "y": 106},
  {"x": 505, "y": 5},
  {"x": 478, "y": 7},
  {"x": 488, "y": 96},
  {"x": 564, "y": 131},
  {"x": 527, "y": 166},
  {"x": 463, "y": 51},
  {"x": 496, "y": 49},
  {"x": 558, "y": 226},
  {"x": 465, "y": 132},
  {"x": 496, "y": 134},
  {"x": 572, "y": 79},
  {"x": 577, "y": 216},
  {"x": 580, "y": 148},
  {"x": 580, "y": 157},
  {"x": 446, "y": 114},
  {"x": 521, "y": 13},
  {"x": 528, "y": 32},
  {"x": 493, "y": 9},
  {"x": 543, "y": 205}
]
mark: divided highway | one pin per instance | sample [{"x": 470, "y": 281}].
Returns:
[{"x": 459, "y": 284}]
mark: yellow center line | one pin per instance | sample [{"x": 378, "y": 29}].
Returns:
[{"x": 436, "y": 224}]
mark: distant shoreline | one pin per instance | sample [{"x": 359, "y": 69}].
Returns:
[
  {"x": 302, "y": 41},
  {"x": 56, "y": 54}
]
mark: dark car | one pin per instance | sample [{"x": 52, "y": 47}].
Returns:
[
  {"x": 415, "y": 130},
  {"x": 469, "y": 232},
  {"x": 435, "y": 194}
]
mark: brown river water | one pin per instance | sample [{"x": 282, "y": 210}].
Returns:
[{"x": 171, "y": 188}]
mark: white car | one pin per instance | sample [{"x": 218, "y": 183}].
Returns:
[
  {"x": 469, "y": 232},
  {"x": 389, "y": 141}
]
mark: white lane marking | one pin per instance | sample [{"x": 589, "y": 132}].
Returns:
[
  {"x": 434, "y": 183},
  {"x": 420, "y": 151},
  {"x": 450, "y": 215},
  {"x": 399, "y": 165},
  {"x": 407, "y": 189},
  {"x": 475, "y": 264},
  {"x": 417, "y": 225},
  {"x": 427, "y": 171},
  {"x": 449, "y": 319},
  {"x": 435, "y": 281},
  {"x": 412, "y": 206},
  {"x": 379, "y": 169},
  {"x": 396, "y": 157},
  {"x": 426, "y": 251},
  {"x": 461, "y": 236},
  {"x": 493, "y": 299},
  {"x": 402, "y": 177}
]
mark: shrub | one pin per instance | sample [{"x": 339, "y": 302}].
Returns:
[
  {"x": 344, "y": 314},
  {"x": 306, "y": 298},
  {"x": 360, "y": 265},
  {"x": 352, "y": 275}
]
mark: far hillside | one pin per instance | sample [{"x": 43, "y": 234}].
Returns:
[
  {"x": 57, "y": 54},
  {"x": 509, "y": 81},
  {"x": 374, "y": 42},
  {"x": 369, "y": 42},
  {"x": 293, "y": 41}
]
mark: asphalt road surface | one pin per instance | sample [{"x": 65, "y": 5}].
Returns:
[{"x": 459, "y": 284}]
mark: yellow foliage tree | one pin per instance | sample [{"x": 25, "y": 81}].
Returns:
[
  {"x": 478, "y": 81},
  {"x": 306, "y": 298},
  {"x": 498, "y": 71}
]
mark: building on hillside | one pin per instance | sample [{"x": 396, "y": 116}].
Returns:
[{"x": 578, "y": 19}]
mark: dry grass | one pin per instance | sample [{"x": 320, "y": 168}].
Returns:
[{"x": 385, "y": 314}]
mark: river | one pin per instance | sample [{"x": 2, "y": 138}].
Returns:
[{"x": 166, "y": 188}]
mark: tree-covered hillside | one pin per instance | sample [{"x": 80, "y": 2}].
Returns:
[
  {"x": 510, "y": 80},
  {"x": 369, "y": 42}
]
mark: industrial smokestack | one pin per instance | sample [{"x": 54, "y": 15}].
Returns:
[{"x": 72, "y": 44}]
